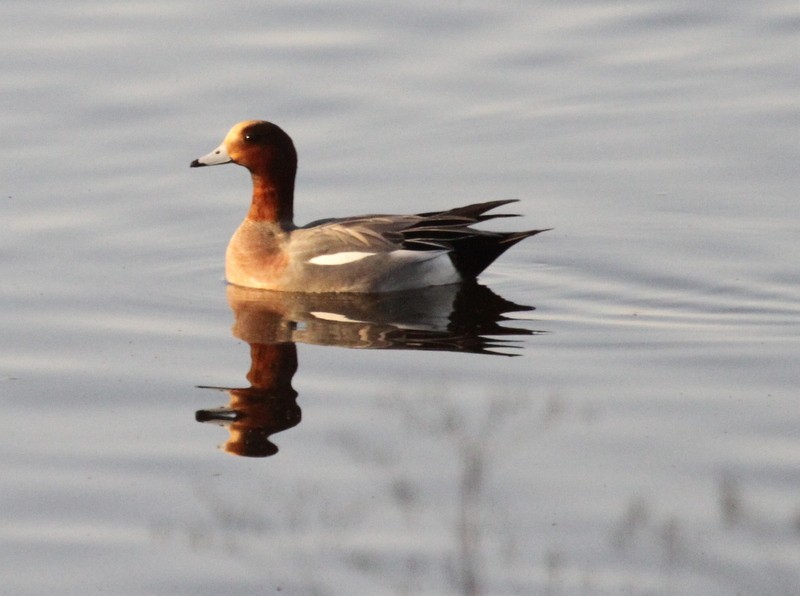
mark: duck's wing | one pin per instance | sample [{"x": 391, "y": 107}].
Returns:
[
  {"x": 368, "y": 233},
  {"x": 417, "y": 237}
]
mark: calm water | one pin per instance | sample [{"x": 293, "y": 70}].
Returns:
[{"x": 645, "y": 438}]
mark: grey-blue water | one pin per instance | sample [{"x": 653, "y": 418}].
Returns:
[{"x": 647, "y": 442}]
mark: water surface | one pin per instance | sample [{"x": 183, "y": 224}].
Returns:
[{"x": 642, "y": 440}]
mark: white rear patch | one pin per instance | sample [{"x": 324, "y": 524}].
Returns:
[
  {"x": 421, "y": 268},
  {"x": 340, "y": 258},
  {"x": 415, "y": 256}
]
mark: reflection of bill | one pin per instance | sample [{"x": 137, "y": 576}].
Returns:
[{"x": 459, "y": 318}]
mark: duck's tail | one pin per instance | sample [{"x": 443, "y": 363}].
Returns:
[{"x": 471, "y": 250}]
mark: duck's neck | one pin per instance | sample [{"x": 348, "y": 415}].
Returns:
[{"x": 273, "y": 198}]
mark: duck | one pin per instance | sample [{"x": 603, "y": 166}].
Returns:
[{"x": 362, "y": 254}]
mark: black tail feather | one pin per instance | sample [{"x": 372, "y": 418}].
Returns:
[
  {"x": 474, "y": 212},
  {"x": 474, "y": 254}
]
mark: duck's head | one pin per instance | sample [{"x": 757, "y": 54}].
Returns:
[{"x": 259, "y": 146}]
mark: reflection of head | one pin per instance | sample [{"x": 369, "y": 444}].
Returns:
[
  {"x": 253, "y": 415},
  {"x": 267, "y": 407},
  {"x": 250, "y": 442},
  {"x": 262, "y": 411}
]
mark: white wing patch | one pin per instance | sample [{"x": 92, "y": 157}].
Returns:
[
  {"x": 332, "y": 316},
  {"x": 340, "y": 258}
]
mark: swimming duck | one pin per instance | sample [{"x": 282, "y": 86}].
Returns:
[{"x": 370, "y": 253}]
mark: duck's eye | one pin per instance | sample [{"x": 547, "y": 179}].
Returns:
[{"x": 250, "y": 137}]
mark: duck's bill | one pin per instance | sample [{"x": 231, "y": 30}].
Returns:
[{"x": 216, "y": 157}]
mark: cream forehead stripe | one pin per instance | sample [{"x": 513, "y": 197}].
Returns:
[
  {"x": 340, "y": 258},
  {"x": 235, "y": 133}
]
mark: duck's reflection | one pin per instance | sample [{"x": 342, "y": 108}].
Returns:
[{"x": 461, "y": 318}]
